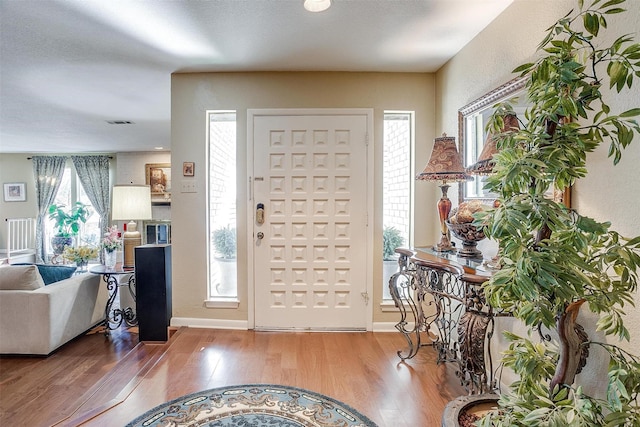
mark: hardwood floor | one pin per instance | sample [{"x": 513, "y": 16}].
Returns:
[{"x": 93, "y": 381}]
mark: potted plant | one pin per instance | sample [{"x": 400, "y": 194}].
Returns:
[
  {"x": 224, "y": 274},
  {"x": 224, "y": 242},
  {"x": 391, "y": 239},
  {"x": 67, "y": 223},
  {"x": 555, "y": 261}
]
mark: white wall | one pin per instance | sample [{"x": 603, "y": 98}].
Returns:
[{"x": 607, "y": 193}]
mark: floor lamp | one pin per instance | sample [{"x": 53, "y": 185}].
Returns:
[
  {"x": 445, "y": 165},
  {"x": 130, "y": 203}
]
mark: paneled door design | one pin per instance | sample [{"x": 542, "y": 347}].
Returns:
[{"x": 310, "y": 179}]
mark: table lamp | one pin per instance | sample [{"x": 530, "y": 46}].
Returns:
[
  {"x": 445, "y": 164},
  {"x": 484, "y": 164},
  {"x": 130, "y": 203}
]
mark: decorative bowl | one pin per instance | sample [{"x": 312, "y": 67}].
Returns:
[{"x": 470, "y": 236}]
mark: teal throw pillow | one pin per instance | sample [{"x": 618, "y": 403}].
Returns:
[{"x": 54, "y": 273}]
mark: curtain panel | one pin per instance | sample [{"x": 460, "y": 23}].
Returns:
[
  {"x": 47, "y": 171},
  {"x": 93, "y": 172}
]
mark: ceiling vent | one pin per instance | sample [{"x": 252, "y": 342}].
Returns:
[{"x": 120, "y": 122}]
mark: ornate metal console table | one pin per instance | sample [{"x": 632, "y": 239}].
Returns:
[
  {"x": 442, "y": 305},
  {"x": 115, "y": 316}
]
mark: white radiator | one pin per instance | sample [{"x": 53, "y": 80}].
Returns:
[{"x": 21, "y": 237}]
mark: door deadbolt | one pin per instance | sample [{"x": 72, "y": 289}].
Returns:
[
  {"x": 260, "y": 235},
  {"x": 260, "y": 213}
]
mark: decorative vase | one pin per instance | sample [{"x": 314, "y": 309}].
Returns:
[
  {"x": 470, "y": 236},
  {"x": 110, "y": 259},
  {"x": 82, "y": 264},
  {"x": 59, "y": 243}
]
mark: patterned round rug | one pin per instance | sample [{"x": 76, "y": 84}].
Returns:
[{"x": 253, "y": 405}]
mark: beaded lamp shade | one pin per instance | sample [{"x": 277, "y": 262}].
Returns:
[
  {"x": 445, "y": 163},
  {"x": 484, "y": 164}
]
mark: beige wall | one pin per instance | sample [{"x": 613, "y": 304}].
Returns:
[
  {"x": 16, "y": 168},
  {"x": 607, "y": 193},
  {"x": 193, "y": 94}
]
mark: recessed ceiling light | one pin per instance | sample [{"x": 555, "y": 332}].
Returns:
[
  {"x": 158, "y": 148},
  {"x": 317, "y": 5}
]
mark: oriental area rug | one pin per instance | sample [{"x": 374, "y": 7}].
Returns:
[{"x": 253, "y": 405}]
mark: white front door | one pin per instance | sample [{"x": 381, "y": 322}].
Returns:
[{"x": 310, "y": 173}]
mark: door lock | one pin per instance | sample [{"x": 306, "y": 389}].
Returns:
[
  {"x": 260, "y": 235},
  {"x": 260, "y": 213}
]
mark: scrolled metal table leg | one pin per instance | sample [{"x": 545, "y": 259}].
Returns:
[
  {"x": 110, "y": 315},
  {"x": 129, "y": 314},
  {"x": 401, "y": 292}
]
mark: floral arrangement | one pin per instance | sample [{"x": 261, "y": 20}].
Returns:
[
  {"x": 111, "y": 240},
  {"x": 80, "y": 255}
]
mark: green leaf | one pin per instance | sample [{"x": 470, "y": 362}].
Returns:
[
  {"x": 630, "y": 113},
  {"x": 535, "y": 415},
  {"x": 591, "y": 23}
]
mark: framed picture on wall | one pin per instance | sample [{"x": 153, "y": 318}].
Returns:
[
  {"x": 15, "y": 192},
  {"x": 188, "y": 169},
  {"x": 158, "y": 177}
]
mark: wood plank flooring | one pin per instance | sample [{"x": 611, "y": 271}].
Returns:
[{"x": 94, "y": 381}]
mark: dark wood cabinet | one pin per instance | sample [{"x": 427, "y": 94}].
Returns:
[{"x": 153, "y": 291}]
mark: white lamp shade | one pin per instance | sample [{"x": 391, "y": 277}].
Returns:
[{"x": 131, "y": 202}]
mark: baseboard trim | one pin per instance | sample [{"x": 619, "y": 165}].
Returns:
[
  {"x": 384, "y": 327},
  {"x": 194, "y": 322}
]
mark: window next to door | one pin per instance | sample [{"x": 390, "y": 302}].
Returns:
[
  {"x": 222, "y": 277},
  {"x": 397, "y": 189}
]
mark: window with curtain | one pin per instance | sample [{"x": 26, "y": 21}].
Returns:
[{"x": 71, "y": 191}]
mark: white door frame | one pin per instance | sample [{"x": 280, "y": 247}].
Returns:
[{"x": 251, "y": 114}]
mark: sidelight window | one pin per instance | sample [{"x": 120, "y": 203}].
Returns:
[
  {"x": 397, "y": 191},
  {"x": 222, "y": 205}
]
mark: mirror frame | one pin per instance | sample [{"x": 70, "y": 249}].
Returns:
[{"x": 488, "y": 100}]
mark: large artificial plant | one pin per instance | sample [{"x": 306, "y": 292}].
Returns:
[
  {"x": 67, "y": 221},
  {"x": 555, "y": 260}
]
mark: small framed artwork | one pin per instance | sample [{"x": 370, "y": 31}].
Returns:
[
  {"x": 188, "y": 169},
  {"x": 158, "y": 177},
  {"x": 15, "y": 192}
]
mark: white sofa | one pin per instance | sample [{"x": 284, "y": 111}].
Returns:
[{"x": 37, "y": 319}]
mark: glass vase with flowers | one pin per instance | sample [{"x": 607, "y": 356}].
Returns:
[
  {"x": 111, "y": 243},
  {"x": 80, "y": 255}
]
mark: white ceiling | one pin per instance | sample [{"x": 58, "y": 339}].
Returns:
[{"x": 69, "y": 66}]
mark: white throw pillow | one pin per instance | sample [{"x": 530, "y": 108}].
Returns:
[{"x": 20, "y": 278}]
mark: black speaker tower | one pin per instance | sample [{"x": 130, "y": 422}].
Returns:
[{"x": 153, "y": 291}]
